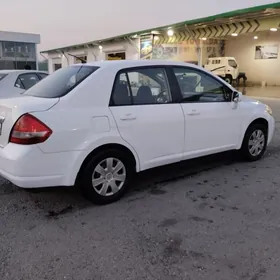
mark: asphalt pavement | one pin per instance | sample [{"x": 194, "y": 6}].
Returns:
[{"x": 213, "y": 218}]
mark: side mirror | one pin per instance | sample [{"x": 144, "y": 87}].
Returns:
[{"x": 236, "y": 96}]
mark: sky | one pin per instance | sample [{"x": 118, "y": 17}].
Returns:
[{"x": 66, "y": 22}]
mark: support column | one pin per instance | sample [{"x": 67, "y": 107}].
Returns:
[
  {"x": 91, "y": 56},
  {"x": 101, "y": 55},
  {"x": 50, "y": 65},
  {"x": 200, "y": 61},
  {"x": 64, "y": 60},
  {"x": 36, "y": 56},
  {"x": 71, "y": 60}
]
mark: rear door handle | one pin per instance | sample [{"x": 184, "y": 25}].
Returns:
[
  {"x": 128, "y": 117},
  {"x": 193, "y": 113}
]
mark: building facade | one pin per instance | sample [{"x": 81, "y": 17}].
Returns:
[
  {"x": 251, "y": 36},
  {"x": 18, "y": 50}
]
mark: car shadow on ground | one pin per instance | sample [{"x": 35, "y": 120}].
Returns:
[
  {"x": 161, "y": 176},
  {"x": 58, "y": 201}
]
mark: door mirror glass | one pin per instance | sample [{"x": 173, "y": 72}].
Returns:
[{"x": 236, "y": 96}]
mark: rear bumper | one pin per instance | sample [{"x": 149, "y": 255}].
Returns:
[
  {"x": 28, "y": 167},
  {"x": 32, "y": 182}
]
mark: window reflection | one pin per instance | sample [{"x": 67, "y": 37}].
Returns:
[{"x": 17, "y": 55}]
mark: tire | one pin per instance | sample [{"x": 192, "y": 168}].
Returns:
[
  {"x": 228, "y": 79},
  {"x": 100, "y": 168},
  {"x": 254, "y": 132}
]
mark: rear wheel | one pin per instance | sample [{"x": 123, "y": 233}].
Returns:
[
  {"x": 105, "y": 177},
  {"x": 254, "y": 143}
]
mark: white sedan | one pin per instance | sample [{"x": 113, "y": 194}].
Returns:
[
  {"x": 15, "y": 82},
  {"x": 94, "y": 125}
]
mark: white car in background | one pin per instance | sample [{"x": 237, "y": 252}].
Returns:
[
  {"x": 84, "y": 125},
  {"x": 15, "y": 82},
  {"x": 225, "y": 67}
]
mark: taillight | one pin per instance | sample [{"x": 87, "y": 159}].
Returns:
[{"x": 29, "y": 130}]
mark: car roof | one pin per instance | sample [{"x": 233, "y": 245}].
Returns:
[
  {"x": 120, "y": 64},
  {"x": 20, "y": 71}
]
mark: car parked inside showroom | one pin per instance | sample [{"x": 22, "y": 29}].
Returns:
[
  {"x": 225, "y": 67},
  {"x": 15, "y": 82},
  {"x": 94, "y": 125}
]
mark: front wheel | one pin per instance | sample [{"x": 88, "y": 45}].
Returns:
[
  {"x": 255, "y": 142},
  {"x": 105, "y": 177},
  {"x": 228, "y": 79}
]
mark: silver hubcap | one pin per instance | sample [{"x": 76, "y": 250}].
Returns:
[
  {"x": 109, "y": 176},
  {"x": 256, "y": 143}
]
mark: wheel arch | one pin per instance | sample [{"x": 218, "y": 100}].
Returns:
[
  {"x": 133, "y": 157},
  {"x": 259, "y": 120}
]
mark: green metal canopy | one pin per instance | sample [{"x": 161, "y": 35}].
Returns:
[{"x": 250, "y": 16}]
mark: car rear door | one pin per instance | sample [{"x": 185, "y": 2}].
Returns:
[
  {"x": 147, "y": 117},
  {"x": 213, "y": 122}
]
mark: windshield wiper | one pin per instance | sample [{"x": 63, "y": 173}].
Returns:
[{"x": 81, "y": 59}]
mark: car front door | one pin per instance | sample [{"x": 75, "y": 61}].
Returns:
[
  {"x": 147, "y": 116},
  {"x": 212, "y": 122}
]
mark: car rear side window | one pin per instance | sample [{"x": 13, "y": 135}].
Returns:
[
  {"x": 2, "y": 76},
  {"x": 141, "y": 86},
  {"x": 61, "y": 81},
  {"x": 27, "y": 80},
  {"x": 42, "y": 75}
]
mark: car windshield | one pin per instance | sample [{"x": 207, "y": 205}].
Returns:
[
  {"x": 61, "y": 81},
  {"x": 232, "y": 63}
]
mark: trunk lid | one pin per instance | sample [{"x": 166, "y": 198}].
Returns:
[{"x": 13, "y": 108}]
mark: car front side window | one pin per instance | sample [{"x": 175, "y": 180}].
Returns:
[
  {"x": 141, "y": 86},
  {"x": 199, "y": 87}
]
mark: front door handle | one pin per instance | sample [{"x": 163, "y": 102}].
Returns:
[{"x": 128, "y": 117}]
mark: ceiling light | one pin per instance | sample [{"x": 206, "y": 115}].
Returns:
[
  {"x": 256, "y": 37},
  {"x": 203, "y": 39},
  {"x": 170, "y": 32},
  {"x": 100, "y": 47},
  {"x": 156, "y": 38},
  {"x": 234, "y": 34},
  {"x": 135, "y": 36},
  {"x": 273, "y": 29}
]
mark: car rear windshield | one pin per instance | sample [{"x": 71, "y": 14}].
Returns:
[{"x": 61, "y": 81}]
